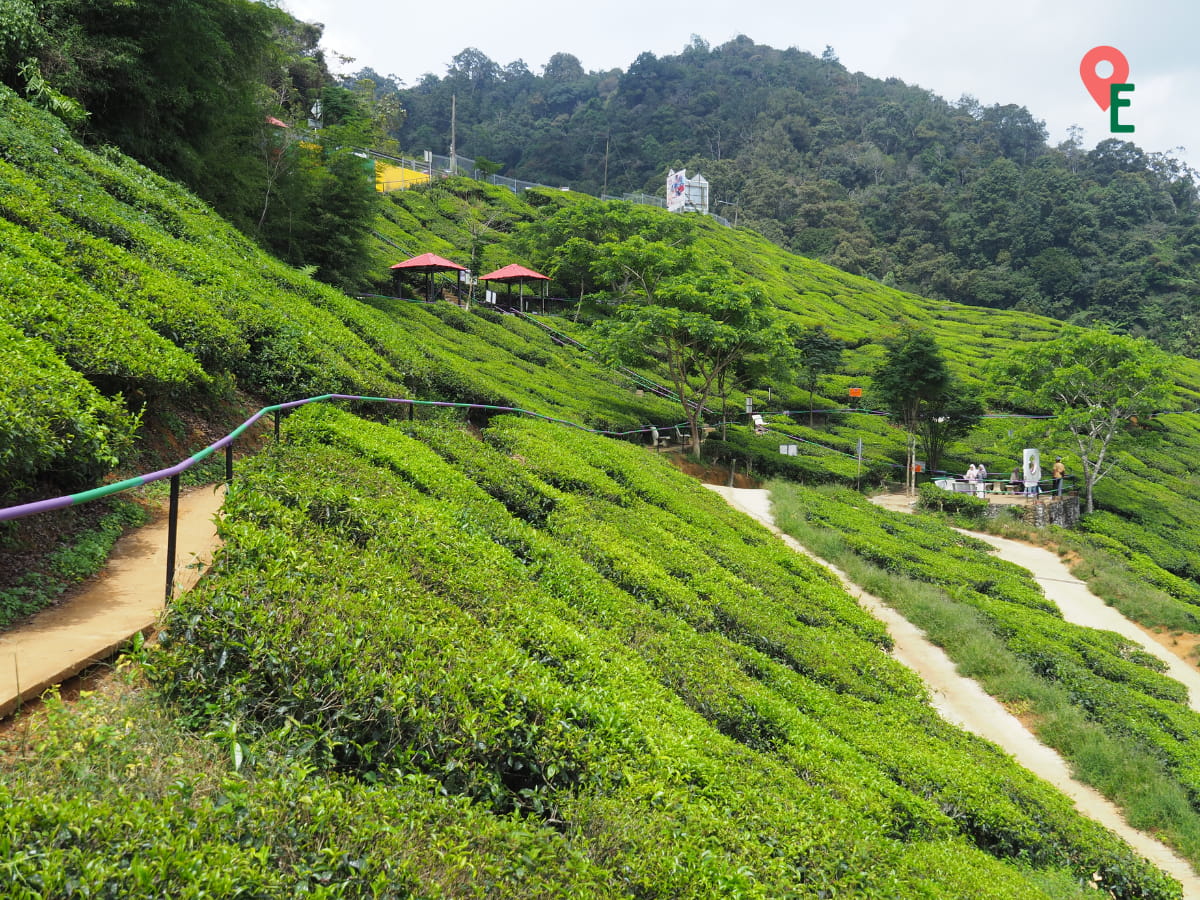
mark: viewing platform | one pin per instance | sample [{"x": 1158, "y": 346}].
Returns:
[{"x": 1045, "y": 507}]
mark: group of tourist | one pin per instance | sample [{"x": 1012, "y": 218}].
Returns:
[
  {"x": 976, "y": 479},
  {"x": 1020, "y": 481}
]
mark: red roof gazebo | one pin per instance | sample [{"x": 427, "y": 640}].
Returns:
[
  {"x": 428, "y": 263},
  {"x": 518, "y": 274}
]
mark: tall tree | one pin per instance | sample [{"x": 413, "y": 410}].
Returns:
[
  {"x": 947, "y": 417},
  {"x": 1095, "y": 384},
  {"x": 912, "y": 378},
  {"x": 820, "y": 354},
  {"x": 174, "y": 85},
  {"x": 699, "y": 324}
]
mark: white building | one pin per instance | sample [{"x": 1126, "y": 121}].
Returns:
[{"x": 687, "y": 194}]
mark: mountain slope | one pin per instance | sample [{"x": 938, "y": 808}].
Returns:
[
  {"x": 429, "y": 642},
  {"x": 641, "y": 689},
  {"x": 953, "y": 200}
]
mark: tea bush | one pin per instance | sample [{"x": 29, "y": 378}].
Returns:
[
  {"x": 932, "y": 497},
  {"x": 692, "y": 708},
  {"x": 52, "y": 419}
]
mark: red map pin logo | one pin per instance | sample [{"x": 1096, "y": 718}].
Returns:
[{"x": 1099, "y": 87}]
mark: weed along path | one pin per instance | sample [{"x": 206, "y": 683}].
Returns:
[
  {"x": 125, "y": 598},
  {"x": 962, "y": 702}
]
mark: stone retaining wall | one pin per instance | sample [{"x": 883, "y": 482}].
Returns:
[{"x": 1046, "y": 510}]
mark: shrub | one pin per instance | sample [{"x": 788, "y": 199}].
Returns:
[{"x": 936, "y": 499}]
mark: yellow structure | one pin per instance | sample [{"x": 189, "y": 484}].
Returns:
[{"x": 396, "y": 178}]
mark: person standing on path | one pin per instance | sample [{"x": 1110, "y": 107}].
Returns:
[{"x": 1058, "y": 472}]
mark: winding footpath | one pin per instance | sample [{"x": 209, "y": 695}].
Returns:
[
  {"x": 102, "y": 614},
  {"x": 962, "y": 702},
  {"x": 1080, "y": 606}
]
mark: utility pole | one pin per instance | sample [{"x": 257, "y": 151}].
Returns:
[
  {"x": 604, "y": 190},
  {"x": 453, "y": 123}
]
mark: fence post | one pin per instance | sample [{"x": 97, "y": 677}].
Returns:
[
  {"x": 229, "y": 463},
  {"x": 172, "y": 534},
  {"x": 277, "y": 426}
]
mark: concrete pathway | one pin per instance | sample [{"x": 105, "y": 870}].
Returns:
[
  {"x": 125, "y": 598},
  {"x": 1081, "y": 607},
  {"x": 963, "y": 703}
]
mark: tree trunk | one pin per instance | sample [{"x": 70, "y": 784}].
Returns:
[{"x": 910, "y": 477}]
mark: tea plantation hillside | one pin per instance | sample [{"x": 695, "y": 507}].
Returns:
[
  {"x": 489, "y": 656},
  {"x": 131, "y": 299},
  {"x": 1150, "y": 504},
  {"x": 529, "y": 663},
  {"x": 134, "y": 300}
]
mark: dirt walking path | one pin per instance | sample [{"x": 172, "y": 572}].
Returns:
[
  {"x": 1081, "y": 607},
  {"x": 125, "y": 598},
  {"x": 962, "y": 702}
]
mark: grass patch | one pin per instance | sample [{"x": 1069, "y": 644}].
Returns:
[{"x": 47, "y": 564}]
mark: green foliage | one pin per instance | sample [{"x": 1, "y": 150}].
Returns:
[
  {"x": 20, "y": 32},
  {"x": 1094, "y": 696},
  {"x": 560, "y": 626},
  {"x": 150, "y": 300},
  {"x": 42, "y": 94},
  {"x": 948, "y": 417},
  {"x": 701, "y": 322},
  {"x": 912, "y": 376},
  {"x": 578, "y": 244},
  {"x": 649, "y": 643},
  {"x": 935, "y": 499},
  {"x": 1095, "y": 384},
  {"x": 53, "y": 420},
  {"x": 916, "y": 388},
  {"x": 954, "y": 200},
  {"x": 118, "y": 800},
  {"x": 819, "y": 354},
  {"x": 188, "y": 91}
]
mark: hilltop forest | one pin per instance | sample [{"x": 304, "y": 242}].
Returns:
[
  {"x": 954, "y": 200},
  {"x": 483, "y": 642}
]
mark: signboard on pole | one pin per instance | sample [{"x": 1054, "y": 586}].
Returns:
[{"x": 676, "y": 190}]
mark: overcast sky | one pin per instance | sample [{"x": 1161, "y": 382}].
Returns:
[{"x": 1012, "y": 51}]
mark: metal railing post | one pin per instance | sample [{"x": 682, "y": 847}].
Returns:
[
  {"x": 172, "y": 534},
  {"x": 229, "y": 463}
]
